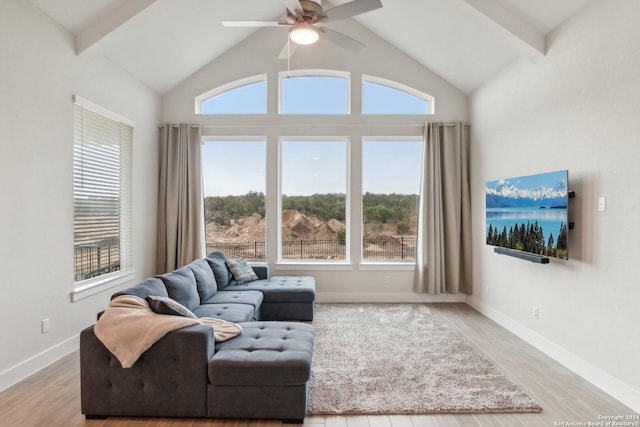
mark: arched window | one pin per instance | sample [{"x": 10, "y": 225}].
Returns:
[
  {"x": 245, "y": 96},
  {"x": 381, "y": 96},
  {"x": 314, "y": 92}
]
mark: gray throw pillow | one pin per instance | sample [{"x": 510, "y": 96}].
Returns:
[
  {"x": 241, "y": 270},
  {"x": 166, "y": 305}
]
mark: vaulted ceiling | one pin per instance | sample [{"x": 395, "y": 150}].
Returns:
[{"x": 464, "y": 41}]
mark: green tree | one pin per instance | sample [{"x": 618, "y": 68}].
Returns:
[
  {"x": 402, "y": 228},
  {"x": 222, "y": 209},
  {"x": 322, "y": 206},
  {"x": 490, "y": 234},
  {"x": 550, "y": 249}
]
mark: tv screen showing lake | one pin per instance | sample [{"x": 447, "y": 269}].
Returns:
[{"x": 529, "y": 213}]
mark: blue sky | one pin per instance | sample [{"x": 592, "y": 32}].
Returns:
[
  {"x": 233, "y": 167},
  {"x": 247, "y": 99},
  {"x": 329, "y": 95},
  {"x": 382, "y": 176},
  {"x": 236, "y": 167},
  {"x": 314, "y": 167},
  {"x": 319, "y": 166}
]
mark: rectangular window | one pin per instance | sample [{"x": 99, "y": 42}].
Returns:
[
  {"x": 234, "y": 189},
  {"x": 101, "y": 194},
  {"x": 313, "y": 190},
  {"x": 391, "y": 171},
  {"x": 314, "y": 92}
]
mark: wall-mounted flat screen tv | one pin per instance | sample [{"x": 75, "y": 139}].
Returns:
[{"x": 529, "y": 213}]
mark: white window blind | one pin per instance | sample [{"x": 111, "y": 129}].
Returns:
[{"x": 101, "y": 192}]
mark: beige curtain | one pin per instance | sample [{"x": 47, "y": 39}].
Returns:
[
  {"x": 443, "y": 253},
  {"x": 180, "y": 198}
]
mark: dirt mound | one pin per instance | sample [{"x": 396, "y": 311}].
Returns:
[
  {"x": 249, "y": 229},
  {"x": 327, "y": 230},
  {"x": 298, "y": 229},
  {"x": 295, "y": 226},
  {"x": 298, "y": 226},
  {"x": 289, "y": 216}
]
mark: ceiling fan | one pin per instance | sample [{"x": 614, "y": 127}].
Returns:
[{"x": 305, "y": 19}]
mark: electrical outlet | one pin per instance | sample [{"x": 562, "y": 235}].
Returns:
[
  {"x": 602, "y": 204},
  {"x": 536, "y": 312},
  {"x": 46, "y": 325},
  {"x": 387, "y": 280}
]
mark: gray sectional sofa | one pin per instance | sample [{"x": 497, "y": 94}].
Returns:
[{"x": 261, "y": 373}]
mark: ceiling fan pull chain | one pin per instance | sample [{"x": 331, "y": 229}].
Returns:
[{"x": 288, "y": 58}]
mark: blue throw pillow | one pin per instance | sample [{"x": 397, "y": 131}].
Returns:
[
  {"x": 217, "y": 262},
  {"x": 181, "y": 286},
  {"x": 205, "y": 280}
]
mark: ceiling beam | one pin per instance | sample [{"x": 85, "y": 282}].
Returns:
[
  {"x": 108, "y": 23},
  {"x": 529, "y": 39}
]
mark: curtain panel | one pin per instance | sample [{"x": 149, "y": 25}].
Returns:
[
  {"x": 443, "y": 253},
  {"x": 180, "y": 197}
]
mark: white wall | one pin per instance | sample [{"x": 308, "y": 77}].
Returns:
[
  {"x": 576, "y": 109},
  {"x": 258, "y": 55},
  {"x": 39, "y": 73}
]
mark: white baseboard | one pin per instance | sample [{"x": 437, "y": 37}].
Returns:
[
  {"x": 30, "y": 366},
  {"x": 601, "y": 379},
  {"x": 386, "y": 297}
]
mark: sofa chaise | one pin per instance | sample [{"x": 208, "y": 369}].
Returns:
[{"x": 260, "y": 374}]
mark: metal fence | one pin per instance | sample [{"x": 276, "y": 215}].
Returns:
[
  {"x": 385, "y": 249},
  {"x": 248, "y": 250},
  {"x": 389, "y": 249},
  {"x": 91, "y": 260},
  {"x": 95, "y": 259},
  {"x": 313, "y": 249}
]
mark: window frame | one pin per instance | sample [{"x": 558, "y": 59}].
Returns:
[
  {"x": 429, "y": 99},
  {"x": 228, "y": 87},
  {"x": 277, "y": 127},
  {"x": 317, "y": 72},
  {"x": 87, "y": 287},
  {"x": 302, "y": 264}
]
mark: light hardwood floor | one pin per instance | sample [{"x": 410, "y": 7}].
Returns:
[{"x": 51, "y": 397}]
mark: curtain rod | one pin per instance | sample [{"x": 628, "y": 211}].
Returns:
[{"x": 311, "y": 125}]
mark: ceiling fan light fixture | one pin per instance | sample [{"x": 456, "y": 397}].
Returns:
[{"x": 304, "y": 33}]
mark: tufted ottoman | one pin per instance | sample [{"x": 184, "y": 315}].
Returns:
[
  {"x": 262, "y": 373},
  {"x": 285, "y": 297}
]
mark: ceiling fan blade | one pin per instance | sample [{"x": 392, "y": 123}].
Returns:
[
  {"x": 342, "y": 40},
  {"x": 287, "y": 50},
  {"x": 353, "y": 8},
  {"x": 254, "y": 24},
  {"x": 294, "y": 7}
]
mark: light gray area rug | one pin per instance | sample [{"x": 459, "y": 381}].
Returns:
[{"x": 402, "y": 359}]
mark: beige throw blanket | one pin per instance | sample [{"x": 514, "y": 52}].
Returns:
[{"x": 129, "y": 327}]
